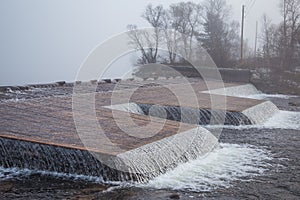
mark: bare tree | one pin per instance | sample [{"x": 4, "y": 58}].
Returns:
[
  {"x": 145, "y": 41},
  {"x": 269, "y": 39},
  {"x": 266, "y": 36},
  {"x": 290, "y": 31},
  {"x": 179, "y": 26},
  {"x": 171, "y": 37},
  {"x": 186, "y": 19},
  {"x": 184, "y": 26}
]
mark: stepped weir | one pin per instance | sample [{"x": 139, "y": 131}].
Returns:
[{"x": 40, "y": 133}]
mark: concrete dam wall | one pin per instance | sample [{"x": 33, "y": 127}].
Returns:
[{"x": 42, "y": 133}]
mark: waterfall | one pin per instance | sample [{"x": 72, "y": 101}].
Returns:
[
  {"x": 236, "y": 91},
  {"x": 261, "y": 113},
  {"x": 140, "y": 164},
  {"x": 186, "y": 115},
  {"x": 158, "y": 157},
  {"x": 127, "y": 107},
  {"x": 257, "y": 114},
  {"x": 199, "y": 116},
  {"x": 33, "y": 156}
]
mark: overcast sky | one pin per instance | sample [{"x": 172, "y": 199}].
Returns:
[{"x": 47, "y": 40}]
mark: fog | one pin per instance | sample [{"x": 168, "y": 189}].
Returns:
[{"x": 46, "y": 41}]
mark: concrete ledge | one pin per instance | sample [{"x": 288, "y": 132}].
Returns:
[
  {"x": 235, "y": 91},
  {"x": 156, "y": 158},
  {"x": 258, "y": 114},
  {"x": 40, "y": 133},
  {"x": 261, "y": 113},
  {"x": 235, "y": 75},
  {"x": 14, "y": 88},
  {"x": 140, "y": 164},
  {"x": 187, "y": 115}
]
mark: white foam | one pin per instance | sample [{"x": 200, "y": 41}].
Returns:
[
  {"x": 12, "y": 173},
  {"x": 15, "y": 91},
  {"x": 281, "y": 120},
  {"x": 157, "y": 157},
  {"x": 126, "y": 107},
  {"x": 219, "y": 168},
  {"x": 247, "y": 91},
  {"x": 260, "y": 113},
  {"x": 13, "y": 100},
  {"x": 236, "y": 91},
  {"x": 262, "y": 96},
  {"x": 284, "y": 120}
]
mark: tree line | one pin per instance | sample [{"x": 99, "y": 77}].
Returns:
[
  {"x": 280, "y": 43},
  {"x": 182, "y": 25},
  {"x": 209, "y": 24}
]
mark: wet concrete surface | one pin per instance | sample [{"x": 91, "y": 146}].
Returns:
[
  {"x": 50, "y": 119},
  {"x": 281, "y": 180}
]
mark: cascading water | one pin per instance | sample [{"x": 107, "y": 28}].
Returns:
[
  {"x": 33, "y": 156},
  {"x": 228, "y": 165},
  {"x": 22, "y": 154},
  {"x": 187, "y": 115},
  {"x": 261, "y": 113},
  {"x": 203, "y": 116},
  {"x": 141, "y": 164},
  {"x": 223, "y": 165},
  {"x": 236, "y": 91},
  {"x": 158, "y": 157},
  {"x": 258, "y": 114}
]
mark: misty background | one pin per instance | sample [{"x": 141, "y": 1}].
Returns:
[{"x": 47, "y": 41}]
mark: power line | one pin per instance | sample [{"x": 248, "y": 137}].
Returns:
[
  {"x": 247, "y": 5},
  {"x": 250, "y": 7},
  {"x": 248, "y": 2}
]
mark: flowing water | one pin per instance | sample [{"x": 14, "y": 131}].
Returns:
[
  {"x": 225, "y": 164},
  {"x": 186, "y": 115},
  {"x": 254, "y": 162}
]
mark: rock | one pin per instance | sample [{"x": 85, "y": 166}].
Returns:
[
  {"x": 256, "y": 76},
  {"x": 174, "y": 196},
  {"x": 94, "y": 82},
  {"x": 117, "y": 80},
  {"x": 3, "y": 89},
  {"x": 61, "y": 83},
  {"x": 293, "y": 104},
  {"x": 5, "y": 187},
  {"x": 101, "y": 82}
]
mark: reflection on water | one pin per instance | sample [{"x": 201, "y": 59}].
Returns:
[{"x": 281, "y": 120}]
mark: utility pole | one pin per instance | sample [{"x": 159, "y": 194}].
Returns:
[
  {"x": 242, "y": 32},
  {"x": 255, "y": 46}
]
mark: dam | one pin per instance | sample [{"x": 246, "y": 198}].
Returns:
[{"x": 40, "y": 125}]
